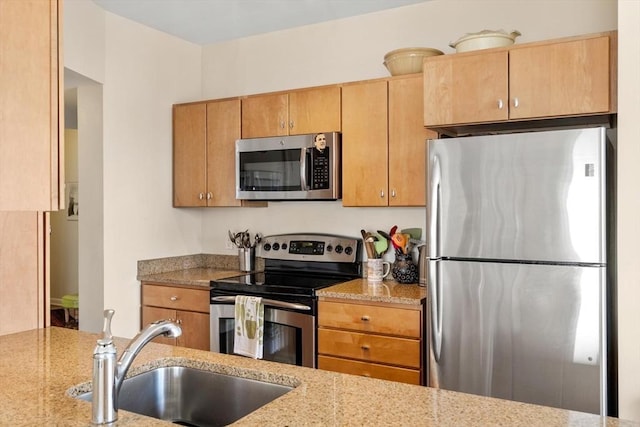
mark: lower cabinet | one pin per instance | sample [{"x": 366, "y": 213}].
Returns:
[
  {"x": 188, "y": 307},
  {"x": 375, "y": 340}
]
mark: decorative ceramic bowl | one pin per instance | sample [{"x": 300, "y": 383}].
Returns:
[
  {"x": 484, "y": 39},
  {"x": 408, "y": 60}
]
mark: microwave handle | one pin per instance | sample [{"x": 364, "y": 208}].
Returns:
[{"x": 303, "y": 169}]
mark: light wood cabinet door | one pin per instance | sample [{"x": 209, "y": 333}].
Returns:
[
  {"x": 364, "y": 144},
  {"x": 265, "y": 115},
  {"x": 466, "y": 88},
  {"x": 407, "y": 143},
  {"x": 22, "y": 255},
  {"x": 31, "y": 113},
  {"x": 189, "y": 155},
  {"x": 223, "y": 129},
  {"x": 369, "y": 347},
  {"x": 371, "y": 370},
  {"x": 188, "y": 307},
  {"x": 560, "y": 79},
  {"x": 314, "y": 110},
  {"x": 370, "y": 318}
]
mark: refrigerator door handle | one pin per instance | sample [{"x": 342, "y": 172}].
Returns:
[
  {"x": 435, "y": 208},
  {"x": 435, "y": 296}
]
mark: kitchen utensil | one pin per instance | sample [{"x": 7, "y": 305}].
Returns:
[
  {"x": 368, "y": 245},
  {"x": 415, "y": 233},
  {"x": 484, "y": 39},
  {"x": 384, "y": 234},
  {"x": 408, "y": 60},
  {"x": 400, "y": 241},
  {"x": 381, "y": 245}
]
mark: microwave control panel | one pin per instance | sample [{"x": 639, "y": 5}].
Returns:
[{"x": 320, "y": 168}]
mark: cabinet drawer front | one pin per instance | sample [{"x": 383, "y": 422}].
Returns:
[
  {"x": 368, "y": 318},
  {"x": 372, "y": 370},
  {"x": 369, "y": 347},
  {"x": 176, "y": 298}
]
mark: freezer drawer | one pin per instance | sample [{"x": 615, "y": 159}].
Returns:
[{"x": 524, "y": 332}]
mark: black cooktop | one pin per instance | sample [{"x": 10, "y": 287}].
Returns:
[{"x": 268, "y": 283}]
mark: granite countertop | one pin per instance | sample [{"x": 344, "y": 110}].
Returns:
[
  {"x": 388, "y": 291},
  {"x": 197, "y": 277},
  {"x": 40, "y": 367}
]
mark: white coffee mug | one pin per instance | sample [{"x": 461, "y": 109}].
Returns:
[{"x": 377, "y": 269}]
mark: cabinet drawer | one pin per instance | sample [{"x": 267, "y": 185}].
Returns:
[
  {"x": 372, "y": 370},
  {"x": 369, "y": 347},
  {"x": 176, "y": 298},
  {"x": 369, "y": 318}
]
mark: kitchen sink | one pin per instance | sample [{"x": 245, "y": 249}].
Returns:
[{"x": 194, "y": 397}]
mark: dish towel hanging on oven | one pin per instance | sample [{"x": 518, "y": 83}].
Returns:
[{"x": 249, "y": 319}]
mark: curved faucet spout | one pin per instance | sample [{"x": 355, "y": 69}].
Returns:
[
  {"x": 108, "y": 375},
  {"x": 153, "y": 330}
]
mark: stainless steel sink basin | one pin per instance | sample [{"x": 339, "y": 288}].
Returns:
[{"x": 193, "y": 397}]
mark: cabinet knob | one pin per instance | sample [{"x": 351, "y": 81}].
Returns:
[
  {"x": 174, "y": 298},
  {"x": 364, "y": 347},
  {"x": 365, "y": 318},
  {"x": 500, "y": 104},
  {"x": 381, "y": 194},
  {"x": 209, "y": 195},
  {"x": 281, "y": 124},
  {"x": 393, "y": 193},
  {"x": 201, "y": 196},
  {"x": 179, "y": 321},
  {"x": 516, "y": 102},
  {"x": 291, "y": 124}
]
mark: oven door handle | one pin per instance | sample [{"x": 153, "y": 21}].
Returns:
[{"x": 266, "y": 301}]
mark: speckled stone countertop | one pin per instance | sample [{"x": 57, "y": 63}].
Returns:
[
  {"x": 388, "y": 291},
  {"x": 190, "y": 270},
  {"x": 40, "y": 369}
]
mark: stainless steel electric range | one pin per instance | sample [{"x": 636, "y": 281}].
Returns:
[{"x": 296, "y": 266}]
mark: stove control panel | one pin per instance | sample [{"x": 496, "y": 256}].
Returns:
[{"x": 310, "y": 247}]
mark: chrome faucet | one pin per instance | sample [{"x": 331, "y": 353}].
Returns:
[{"x": 108, "y": 374}]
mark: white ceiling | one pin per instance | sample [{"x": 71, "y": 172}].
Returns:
[{"x": 211, "y": 21}]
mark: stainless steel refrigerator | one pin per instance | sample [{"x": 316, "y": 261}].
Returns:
[{"x": 521, "y": 288}]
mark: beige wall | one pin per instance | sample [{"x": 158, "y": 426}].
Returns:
[{"x": 629, "y": 208}]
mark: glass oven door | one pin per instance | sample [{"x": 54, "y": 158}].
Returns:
[{"x": 289, "y": 337}]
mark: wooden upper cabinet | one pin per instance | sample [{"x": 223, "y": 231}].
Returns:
[
  {"x": 314, "y": 110},
  {"x": 364, "y": 144},
  {"x": 544, "y": 80},
  {"x": 295, "y": 113},
  {"x": 223, "y": 129},
  {"x": 466, "y": 88},
  {"x": 265, "y": 115},
  {"x": 560, "y": 79},
  {"x": 189, "y": 155},
  {"x": 407, "y": 143},
  {"x": 204, "y": 143},
  {"x": 31, "y": 113}
]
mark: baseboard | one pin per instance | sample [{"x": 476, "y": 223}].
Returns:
[{"x": 55, "y": 302}]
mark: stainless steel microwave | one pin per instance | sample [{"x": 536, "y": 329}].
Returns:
[{"x": 299, "y": 167}]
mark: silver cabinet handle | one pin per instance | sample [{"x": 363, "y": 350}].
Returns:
[
  {"x": 516, "y": 102},
  {"x": 281, "y": 124},
  {"x": 201, "y": 196},
  {"x": 500, "y": 104},
  {"x": 209, "y": 195},
  {"x": 365, "y": 318},
  {"x": 393, "y": 193},
  {"x": 381, "y": 194},
  {"x": 174, "y": 298},
  {"x": 266, "y": 301},
  {"x": 291, "y": 124}
]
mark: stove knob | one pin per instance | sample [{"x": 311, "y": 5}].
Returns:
[
  {"x": 266, "y": 247},
  {"x": 284, "y": 246},
  {"x": 276, "y": 246},
  {"x": 329, "y": 248},
  {"x": 339, "y": 249},
  {"x": 348, "y": 250}
]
